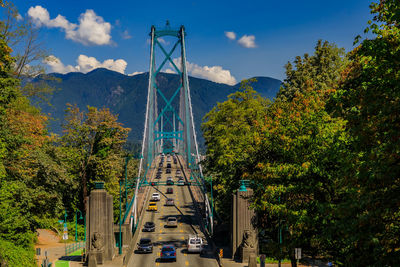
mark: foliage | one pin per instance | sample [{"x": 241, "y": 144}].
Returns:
[
  {"x": 13, "y": 255},
  {"x": 94, "y": 141},
  {"x": 296, "y": 171},
  {"x": 227, "y": 130},
  {"x": 323, "y": 68},
  {"x": 369, "y": 98}
]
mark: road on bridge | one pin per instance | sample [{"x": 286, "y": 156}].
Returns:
[{"x": 188, "y": 224}]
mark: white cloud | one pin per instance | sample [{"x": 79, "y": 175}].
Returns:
[
  {"x": 162, "y": 41},
  {"x": 169, "y": 71},
  {"x": 230, "y": 35},
  {"x": 91, "y": 30},
  {"x": 19, "y": 17},
  {"x": 135, "y": 73},
  {"x": 214, "y": 73},
  {"x": 85, "y": 64},
  {"x": 126, "y": 35},
  {"x": 247, "y": 41}
]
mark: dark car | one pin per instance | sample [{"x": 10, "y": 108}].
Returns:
[
  {"x": 160, "y": 164},
  {"x": 170, "y": 190},
  {"x": 168, "y": 171},
  {"x": 170, "y": 182},
  {"x": 168, "y": 165},
  {"x": 187, "y": 183},
  {"x": 149, "y": 227},
  {"x": 175, "y": 161},
  {"x": 168, "y": 252},
  {"x": 145, "y": 246}
]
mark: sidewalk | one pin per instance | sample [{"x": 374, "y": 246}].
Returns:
[{"x": 231, "y": 263}]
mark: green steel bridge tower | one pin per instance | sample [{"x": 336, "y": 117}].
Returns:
[{"x": 169, "y": 125}]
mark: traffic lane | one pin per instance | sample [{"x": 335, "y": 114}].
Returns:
[
  {"x": 163, "y": 235},
  {"x": 177, "y": 236}
]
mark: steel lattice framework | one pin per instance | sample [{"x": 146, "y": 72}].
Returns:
[{"x": 169, "y": 124}]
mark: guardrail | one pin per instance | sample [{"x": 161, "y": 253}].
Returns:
[{"x": 74, "y": 247}]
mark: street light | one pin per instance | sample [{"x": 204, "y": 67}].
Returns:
[
  {"x": 76, "y": 224},
  {"x": 120, "y": 211}
]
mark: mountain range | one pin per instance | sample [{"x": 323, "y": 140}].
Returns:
[{"x": 126, "y": 95}]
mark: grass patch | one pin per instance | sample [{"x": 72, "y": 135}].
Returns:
[
  {"x": 272, "y": 260},
  {"x": 62, "y": 264},
  {"x": 76, "y": 253}
]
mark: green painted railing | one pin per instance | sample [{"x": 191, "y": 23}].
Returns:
[{"x": 74, "y": 247}]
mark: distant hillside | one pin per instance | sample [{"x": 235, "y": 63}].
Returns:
[{"x": 126, "y": 95}]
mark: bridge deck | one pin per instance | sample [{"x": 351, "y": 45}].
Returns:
[{"x": 188, "y": 224}]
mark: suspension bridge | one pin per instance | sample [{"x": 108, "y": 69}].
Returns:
[{"x": 169, "y": 164}]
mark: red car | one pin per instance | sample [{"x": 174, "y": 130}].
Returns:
[{"x": 170, "y": 190}]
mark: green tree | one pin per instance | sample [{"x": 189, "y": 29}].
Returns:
[
  {"x": 296, "y": 173},
  {"x": 95, "y": 140},
  {"x": 369, "y": 99},
  {"x": 227, "y": 131},
  {"x": 324, "y": 68}
]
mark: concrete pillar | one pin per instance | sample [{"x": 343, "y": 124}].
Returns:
[
  {"x": 244, "y": 235},
  {"x": 99, "y": 227}
]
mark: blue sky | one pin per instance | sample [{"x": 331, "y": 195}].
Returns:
[{"x": 275, "y": 32}]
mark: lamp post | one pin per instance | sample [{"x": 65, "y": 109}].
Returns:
[
  {"x": 76, "y": 224},
  {"x": 120, "y": 211},
  {"x": 280, "y": 237},
  {"x": 127, "y": 158}
]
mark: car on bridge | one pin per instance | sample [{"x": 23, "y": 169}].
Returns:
[
  {"x": 144, "y": 246},
  {"x": 172, "y": 222},
  {"x": 170, "y": 190},
  {"x": 149, "y": 227},
  {"x": 195, "y": 244},
  {"x": 155, "y": 197},
  {"x": 169, "y": 202},
  {"x": 152, "y": 206},
  {"x": 181, "y": 182},
  {"x": 169, "y": 181},
  {"x": 168, "y": 252}
]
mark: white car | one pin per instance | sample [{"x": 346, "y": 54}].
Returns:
[
  {"x": 195, "y": 244},
  {"x": 155, "y": 197},
  {"x": 172, "y": 222}
]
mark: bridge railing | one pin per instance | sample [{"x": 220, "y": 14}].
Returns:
[{"x": 74, "y": 247}]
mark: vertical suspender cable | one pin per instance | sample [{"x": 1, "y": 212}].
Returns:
[
  {"x": 134, "y": 206},
  {"x": 192, "y": 120}
]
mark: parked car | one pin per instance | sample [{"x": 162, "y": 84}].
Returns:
[
  {"x": 168, "y": 252},
  {"x": 172, "y": 222},
  {"x": 145, "y": 246},
  {"x": 170, "y": 190},
  {"x": 160, "y": 164},
  {"x": 155, "y": 197},
  {"x": 169, "y": 202},
  {"x": 168, "y": 165},
  {"x": 168, "y": 171},
  {"x": 152, "y": 206},
  {"x": 149, "y": 227},
  {"x": 175, "y": 161},
  {"x": 178, "y": 171}
]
